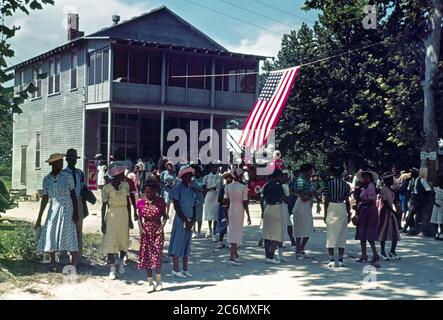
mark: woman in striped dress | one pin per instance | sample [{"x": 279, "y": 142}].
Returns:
[
  {"x": 388, "y": 229},
  {"x": 337, "y": 215}
]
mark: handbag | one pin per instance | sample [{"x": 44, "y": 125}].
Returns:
[
  {"x": 88, "y": 196},
  {"x": 354, "y": 220}
]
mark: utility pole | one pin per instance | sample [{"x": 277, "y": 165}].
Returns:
[{"x": 429, "y": 162}]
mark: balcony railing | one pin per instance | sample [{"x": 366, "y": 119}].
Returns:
[{"x": 151, "y": 94}]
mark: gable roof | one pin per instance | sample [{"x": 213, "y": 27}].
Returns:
[{"x": 160, "y": 25}]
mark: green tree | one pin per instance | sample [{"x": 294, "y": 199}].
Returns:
[{"x": 364, "y": 107}]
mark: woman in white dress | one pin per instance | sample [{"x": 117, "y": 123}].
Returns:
[
  {"x": 235, "y": 204},
  {"x": 211, "y": 186},
  {"x": 101, "y": 174},
  {"x": 437, "y": 212}
]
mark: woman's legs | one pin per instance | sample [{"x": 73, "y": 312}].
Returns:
[
  {"x": 331, "y": 254},
  {"x": 149, "y": 273},
  {"x": 185, "y": 263},
  {"x": 374, "y": 250},
  {"x": 303, "y": 244},
  {"x": 267, "y": 248},
  {"x": 111, "y": 259},
  {"x": 234, "y": 253},
  {"x": 175, "y": 263},
  {"x": 341, "y": 253},
  {"x": 383, "y": 246},
  {"x": 364, "y": 253},
  {"x": 272, "y": 248},
  {"x": 291, "y": 236},
  {"x": 394, "y": 246},
  {"x": 210, "y": 226},
  {"x": 298, "y": 245}
]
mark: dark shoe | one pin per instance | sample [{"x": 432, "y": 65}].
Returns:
[
  {"x": 375, "y": 262},
  {"x": 363, "y": 259}
]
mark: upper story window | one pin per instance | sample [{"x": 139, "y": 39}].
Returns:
[
  {"x": 196, "y": 67},
  {"x": 54, "y": 76},
  {"x": 37, "y": 150},
  {"x": 138, "y": 65},
  {"x": 99, "y": 66},
  {"x": 20, "y": 80},
  {"x": 237, "y": 77},
  {"x": 37, "y": 83},
  {"x": 74, "y": 69},
  {"x": 176, "y": 67}
]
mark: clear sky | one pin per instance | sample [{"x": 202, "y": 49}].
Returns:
[{"x": 43, "y": 30}]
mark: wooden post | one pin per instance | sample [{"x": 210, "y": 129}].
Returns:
[
  {"x": 162, "y": 131},
  {"x": 109, "y": 134},
  {"x": 432, "y": 47},
  {"x": 163, "y": 84}
]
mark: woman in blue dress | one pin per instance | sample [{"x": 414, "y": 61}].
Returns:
[
  {"x": 59, "y": 232},
  {"x": 183, "y": 198}
]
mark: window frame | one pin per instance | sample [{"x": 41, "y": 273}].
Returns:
[
  {"x": 38, "y": 150},
  {"x": 73, "y": 70}
]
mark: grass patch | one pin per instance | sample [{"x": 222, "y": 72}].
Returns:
[
  {"x": 91, "y": 246},
  {"x": 7, "y": 181}
]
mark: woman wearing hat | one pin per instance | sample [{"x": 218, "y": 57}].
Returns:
[
  {"x": 167, "y": 180},
  {"x": 59, "y": 232},
  {"x": 183, "y": 198},
  {"x": 367, "y": 216},
  {"x": 235, "y": 204},
  {"x": 222, "y": 228},
  {"x": 388, "y": 228},
  {"x": 117, "y": 221}
]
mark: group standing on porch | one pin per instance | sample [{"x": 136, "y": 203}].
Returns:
[{"x": 380, "y": 205}]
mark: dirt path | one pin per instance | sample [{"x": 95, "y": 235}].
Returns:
[{"x": 417, "y": 276}]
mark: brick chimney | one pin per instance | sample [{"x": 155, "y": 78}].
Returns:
[{"x": 73, "y": 27}]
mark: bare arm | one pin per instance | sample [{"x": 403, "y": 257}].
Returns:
[
  {"x": 246, "y": 207},
  {"x": 134, "y": 205},
  {"x": 128, "y": 201},
  {"x": 43, "y": 205},
  {"x": 327, "y": 200},
  {"x": 104, "y": 207}
]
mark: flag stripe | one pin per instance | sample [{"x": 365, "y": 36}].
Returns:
[
  {"x": 256, "y": 125},
  {"x": 274, "y": 98},
  {"x": 248, "y": 123},
  {"x": 274, "y": 106},
  {"x": 276, "y": 116},
  {"x": 268, "y": 108}
]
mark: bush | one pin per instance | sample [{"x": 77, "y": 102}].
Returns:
[{"x": 17, "y": 241}]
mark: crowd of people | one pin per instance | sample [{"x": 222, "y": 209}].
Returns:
[{"x": 380, "y": 208}]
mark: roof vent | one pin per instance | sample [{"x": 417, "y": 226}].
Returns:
[{"x": 115, "y": 19}]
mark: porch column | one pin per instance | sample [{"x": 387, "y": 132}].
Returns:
[
  {"x": 109, "y": 134},
  {"x": 163, "y": 84},
  {"x": 257, "y": 69},
  {"x": 162, "y": 131},
  {"x": 211, "y": 126},
  {"x": 213, "y": 83}
]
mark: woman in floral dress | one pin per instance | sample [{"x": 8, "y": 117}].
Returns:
[{"x": 151, "y": 210}]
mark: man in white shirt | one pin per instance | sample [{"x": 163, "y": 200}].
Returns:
[{"x": 419, "y": 189}]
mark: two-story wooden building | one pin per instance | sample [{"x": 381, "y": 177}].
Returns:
[{"x": 114, "y": 92}]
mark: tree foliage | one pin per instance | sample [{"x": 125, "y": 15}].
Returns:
[
  {"x": 9, "y": 100},
  {"x": 364, "y": 107}
]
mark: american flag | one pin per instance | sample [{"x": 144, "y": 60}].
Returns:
[{"x": 268, "y": 108}]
